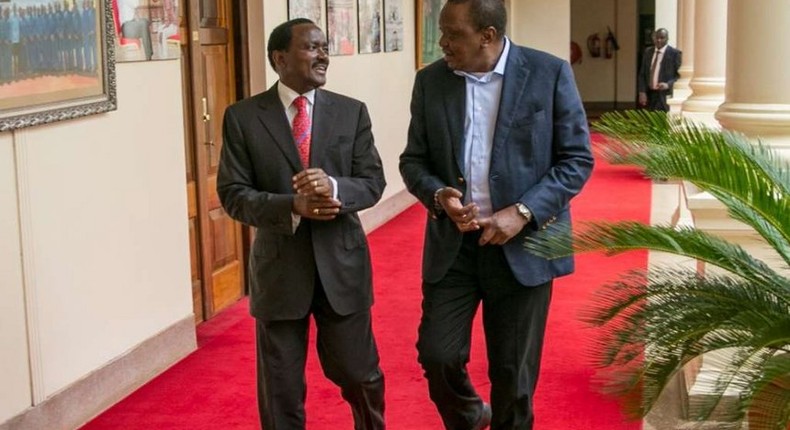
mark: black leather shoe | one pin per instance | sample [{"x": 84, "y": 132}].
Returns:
[{"x": 485, "y": 418}]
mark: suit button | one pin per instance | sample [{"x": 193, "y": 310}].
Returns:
[{"x": 461, "y": 180}]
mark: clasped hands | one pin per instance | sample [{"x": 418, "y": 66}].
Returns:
[
  {"x": 313, "y": 199},
  {"x": 497, "y": 229}
]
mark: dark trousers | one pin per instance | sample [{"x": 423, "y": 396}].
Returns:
[
  {"x": 348, "y": 355},
  {"x": 514, "y": 321},
  {"x": 657, "y": 100}
]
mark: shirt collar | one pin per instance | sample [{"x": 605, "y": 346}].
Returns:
[
  {"x": 287, "y": 95},
  {"x": 499, "y": 68}
]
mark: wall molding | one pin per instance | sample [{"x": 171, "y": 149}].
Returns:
[
  {"x": 86, "y": 398},
  {"x": 387, "y": 209}
]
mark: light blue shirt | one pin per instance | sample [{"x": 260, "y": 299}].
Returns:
[{"x": 483, "y": 92}]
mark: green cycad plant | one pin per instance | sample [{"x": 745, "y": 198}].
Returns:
[{"x": 654, "y": 323}]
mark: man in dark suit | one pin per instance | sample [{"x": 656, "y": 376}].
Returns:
[
  {"x": 310, "y": 255},
  {"x": 497, "y": 146},
  {"x": 658, "y": 72}
]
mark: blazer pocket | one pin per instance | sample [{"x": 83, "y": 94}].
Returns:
[{"x": 528, "y": 119}]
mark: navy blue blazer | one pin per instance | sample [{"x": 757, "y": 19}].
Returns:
[{"x": 541, "y": 155}]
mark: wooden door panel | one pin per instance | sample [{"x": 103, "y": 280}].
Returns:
[
  {"x": 225, "y": 238},
  {"x": 226, "y": 283},
  {"x": 220, "y": 95}
]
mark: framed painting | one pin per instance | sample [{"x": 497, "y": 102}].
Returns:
[
  {"x": 340, "y": 27},
  {"x": 67, "y": 73},
  {"x": 369, "y": 19},
  {"x": 428, "y": 33},
  {"x": 146, "y": 30},
  {"x": 313, "y": 10},
  {"x": 393, "y": 25}
]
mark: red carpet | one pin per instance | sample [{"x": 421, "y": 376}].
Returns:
[{"x": 213, "y": 388}]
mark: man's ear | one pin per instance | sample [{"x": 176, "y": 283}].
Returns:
[
  {"x": 279, "y": 59},
  {"x": 489, "y": 36}
]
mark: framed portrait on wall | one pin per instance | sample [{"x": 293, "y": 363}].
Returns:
[
  {"x": 313, "y": 10},
  {"x": 68, "y": 73},
  {"x": 146, "y": 30},
  {"x": 393, "y": 25},
  {"x": 428, "y": 33},
  {"x": 369, "y": 19},
  {"x": 341, "y": 28}
]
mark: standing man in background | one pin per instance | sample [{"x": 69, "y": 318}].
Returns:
[
  {"x": 658, "y": 72},
  {"x": 497, "y": 147},
  {"x": 298, "y": 163}
]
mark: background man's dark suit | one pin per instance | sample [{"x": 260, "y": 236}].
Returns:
[
  {"x": 667, "y": 72},
  {"x": 540, "y": 157},
  {"x": 293, "y": 273}
]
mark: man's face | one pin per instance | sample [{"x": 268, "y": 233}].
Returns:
[
  {"x": 302, "y": 67},
  {"x": 461, "y": 41},
  {"x": 660, "y": 39}
]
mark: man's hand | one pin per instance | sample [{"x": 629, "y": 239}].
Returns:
[
  {"x": 662, "y": 86},
  {"x": 313, "y": 199},
  {"x": 464, "y": 217},
  {"x": 642, "y": 99},
  {"x": 501, "y": 226},
  {"x": 313, "y": 181},
  {"x": 316, "y": 207}
]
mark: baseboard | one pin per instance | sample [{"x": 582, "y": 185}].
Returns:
[
  {"x": 76, "y": 404},
  {"x": 385, "y": 210}
]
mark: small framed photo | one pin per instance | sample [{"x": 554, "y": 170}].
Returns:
[
  {"x": 341, "y": 27},
  {"x": 369, "y": 18},
  {"x": 393, "y": 25},
  {"x": 313, "y": 10}
]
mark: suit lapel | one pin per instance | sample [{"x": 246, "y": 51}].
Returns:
[
  {"x": 272, "y": 116},
  {"x": 323, "y": 122},
  {"x": 513, "y": 88},
  {"x": 455, "y": 108}
]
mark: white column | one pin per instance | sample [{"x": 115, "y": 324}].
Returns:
[
  {"x": 685, "y": 42},
  {"x": 757, "y": 97},
  {"x": 710, "y": 52}
]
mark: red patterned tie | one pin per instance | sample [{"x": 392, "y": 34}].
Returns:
[{"x": 301, "y": 130}]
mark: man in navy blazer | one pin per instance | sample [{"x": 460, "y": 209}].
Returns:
[
  {"x": 658, "y": 72},
  {"x": 497, "y": 147},
  {"x": 310, "y": 256}
]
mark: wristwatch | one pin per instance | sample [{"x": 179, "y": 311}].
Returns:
[{"x": 524, "y": 211}]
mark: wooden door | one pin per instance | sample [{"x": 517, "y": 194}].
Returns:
[{"x": 209, "y": 79}]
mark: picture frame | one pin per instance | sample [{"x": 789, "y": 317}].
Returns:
[
  {"x": 147, "y": 30},
  {"x": 39, "y": 88},
  {"x": 369, "y": 19},
  {"x": 314, "y": 10},
  {"x": 340, "y": 25},
  {"x": 427, "y": 20},
  {"x": 393, "y": 25}
]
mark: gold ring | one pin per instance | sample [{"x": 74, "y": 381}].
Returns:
[
  {"x": 315, "y": 184},
  {"x": 316, "y": 211}
]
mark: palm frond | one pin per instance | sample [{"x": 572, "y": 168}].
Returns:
[
  {"x": 675, "y": 315},
  {"x": 726, "y": 164},
  {"x": 653, "y": 323}
]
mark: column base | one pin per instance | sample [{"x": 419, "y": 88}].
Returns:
[{"x": 769, "y": 122}]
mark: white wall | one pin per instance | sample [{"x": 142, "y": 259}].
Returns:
[
  {"x": 104, "y": 233},
  {"x": 383, "y": 81},
  {"x": 14, "y": 369},
  {"x": 541, "y": 24},
  {"x": 601, "y": 79}
]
